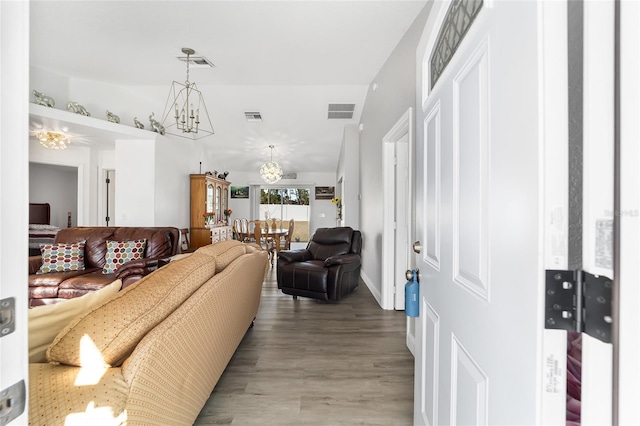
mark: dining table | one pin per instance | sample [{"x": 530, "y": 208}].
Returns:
[{"x": 276, "y": 233}]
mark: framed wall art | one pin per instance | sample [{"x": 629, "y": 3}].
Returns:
[
  {"x": 239, "y": 192},
  {"x": 325, "y": 192}
]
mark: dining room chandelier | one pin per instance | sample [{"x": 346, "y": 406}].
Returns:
[
  {"x": 53, "y": 140},
  {"x": 271, "y": 172},
  {"x": 185, "y": 113}
]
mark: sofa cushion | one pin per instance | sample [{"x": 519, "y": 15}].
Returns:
[
  {"x": 224, "y": 252},
  {"x": 45, "y": 322},
  {"x": 159, "y": 241},
  {"x": 95, "y": 237},
  {"x": 63, "y": 395},
  {"x": 327, "y": 242},
  {"x": 106, "y": 335},
  {"x": 121, "y": 252},
  {"x": 62, "y": 257}
]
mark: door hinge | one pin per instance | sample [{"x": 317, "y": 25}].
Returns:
[
  {"x": 579, "y": 301},
  {"x": 12, "y": 402},
  {"x": 7, "y": 316}
]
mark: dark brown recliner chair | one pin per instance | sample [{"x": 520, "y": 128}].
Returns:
[{"x": 328, "y": 269}]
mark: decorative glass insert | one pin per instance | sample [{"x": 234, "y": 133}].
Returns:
[{"x": 459, "y": 18}]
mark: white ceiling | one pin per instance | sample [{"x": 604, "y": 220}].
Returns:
[{"x": 285, "y": 59}]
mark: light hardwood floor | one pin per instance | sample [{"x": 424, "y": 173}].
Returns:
[{"x": 312, "y": 363}]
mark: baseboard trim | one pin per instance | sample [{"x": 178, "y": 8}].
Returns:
[{"x": 374, "y": 291}]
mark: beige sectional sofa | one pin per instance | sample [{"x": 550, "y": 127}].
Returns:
[{"x": 152, "y": 354}]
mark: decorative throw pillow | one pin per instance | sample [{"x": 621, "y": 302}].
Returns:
[
  {"x": 62, "y": 257},
  {"x": 45, "y": 322},
  {"x": 106, "y": 335},
  {"x": 121, "y": 252}
]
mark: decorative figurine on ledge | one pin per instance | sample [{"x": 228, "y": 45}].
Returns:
[
  {"x": 223, "y": 176},
  {"x": 44, "y": 100},
  {"x": 137, "y": 123},
  {"x": 77, "y": 108},
  {"x": 155, "y": 125},
  {"x": 112, "y": 117}
]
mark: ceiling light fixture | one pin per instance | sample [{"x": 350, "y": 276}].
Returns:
[
  {"x": 271, "y": 172},
  {"x": 184, "y": 109},
  {"x": 53, "y": 140}
]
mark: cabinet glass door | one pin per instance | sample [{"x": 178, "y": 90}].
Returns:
[
  {"x": 218, "y": 211},
  {"x": 209, "y": 201}
]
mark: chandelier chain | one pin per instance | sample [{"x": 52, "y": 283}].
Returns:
[{"x": 187, "y": 83}]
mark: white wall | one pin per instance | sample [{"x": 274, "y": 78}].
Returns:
[
  {"x": 348, "y": 177},
  {"x": 58, "y": 186},
  {"x": 136, "y": 183},
  {"x": 173, "y": 164},
  {"x": 98, "y": 97},
  {"x": 382, "y": 108}
]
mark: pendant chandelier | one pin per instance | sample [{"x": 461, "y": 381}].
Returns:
[
  {"x": 271, "y": 172},
  {"x": 185, "y": 113}
]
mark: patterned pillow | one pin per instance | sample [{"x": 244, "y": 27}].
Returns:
[
  {"x": 62, "y": 257},
  {"x": 121, "y": 252}
]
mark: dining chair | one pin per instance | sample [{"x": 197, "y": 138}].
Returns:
[
  {"x": 241, "y": 229},
  {"x": 236, "y": 230},
  {"x": 285, "y": 242},
  {"x": 185, "y": 245},
  {"x": 264, "y": 241}
]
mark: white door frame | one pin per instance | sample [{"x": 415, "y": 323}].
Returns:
[
  {"x": 628, "y": 384},
  {"x": 404, "y": 127},
  {"x": 14, "y": 191}
]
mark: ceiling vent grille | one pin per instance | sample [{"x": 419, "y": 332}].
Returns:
[
  {"x": 290, "y": 176},
  {"x": 253, "y": 116},
  {"x": 341, "y": 111},
  {"x": 197, "y": 61}
]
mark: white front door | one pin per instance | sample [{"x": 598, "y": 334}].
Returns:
[{"x": 479, "y": 185}]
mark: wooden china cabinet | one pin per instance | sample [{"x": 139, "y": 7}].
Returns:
[{"x": 208, "y": 194}]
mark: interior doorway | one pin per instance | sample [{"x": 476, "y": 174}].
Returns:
[
  {"x": 63, "y": 196},
  {"x": 396, "y": 157},
  {"x": 108, "y": 215}
]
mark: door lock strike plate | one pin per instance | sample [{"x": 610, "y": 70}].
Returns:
[
  {"x": 7, "y": 316},
  {"x": 12, "y": 402}
]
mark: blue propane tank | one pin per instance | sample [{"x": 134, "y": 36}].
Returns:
[{"x": 411, "y": 296}]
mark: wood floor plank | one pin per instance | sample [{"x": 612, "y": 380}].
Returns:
[{"x": 318, "y": 364}]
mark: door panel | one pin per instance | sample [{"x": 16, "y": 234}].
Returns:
[
  {"x": 470, "y": 388},
  {"x": 430, "y": 365},
  {"x": 470, "y": 165},
  {"x": 432, "y": 186}
]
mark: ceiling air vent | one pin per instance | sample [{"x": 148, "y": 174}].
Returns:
[
  {"x": 253, "y": 116},
  {"x": 290, "y": 176},
  {"x": 341, "y": 111},
  {"x": 197, "y": 61}
]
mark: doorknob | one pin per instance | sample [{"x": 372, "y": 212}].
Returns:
[
  {"x": 417, "y": 247},
  {"x": 409, "y": 274}
]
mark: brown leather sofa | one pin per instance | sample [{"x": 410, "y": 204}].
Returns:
[
  {"x": 162, "y": 243},
  {"x": 328, "y": 269}
]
